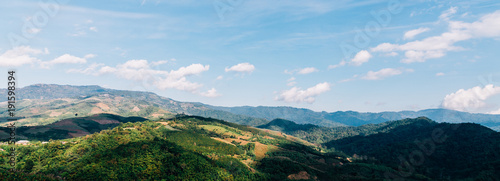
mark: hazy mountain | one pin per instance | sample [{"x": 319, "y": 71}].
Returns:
[
  {"x": 71, "y": 99},
  {"x": 352, "y": 118},
  {"x": 46, "y": 103}
]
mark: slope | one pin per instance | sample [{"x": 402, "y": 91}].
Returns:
[
  {"x": 42, "y": 104},
  {"x": 185, "y": 148}
]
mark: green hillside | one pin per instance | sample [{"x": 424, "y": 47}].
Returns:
[
  {"x": 68, "y": 128},
  {"x": 441, "y": 151},
  {"x": 185, "y": 148}
]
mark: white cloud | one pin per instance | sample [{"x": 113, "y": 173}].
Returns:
[
  {"x": 361, "y": 57},
  {"x": 291, "y": 81},
  {"x": 488, "y": 26},
  {"x": 210, "y": 93},
  {"x": 440, "y": 74},
  {"x": 298, "y": 95},
  {"x": 65, "y": 59},
  {"x": 495, "y": 112},
  {"x": 392, "y": 54},
  {"x": 307, "y": 70},
  {"x": 341, "y": 64},
  {"x": 89, "y": 56},
  {"x": 159, "y": 62},
  {"x": 141, "y": 71},
  {"x": 412, "y": 33},
  {"x": 93, "y": 28},
  {"x": 176, "y": 79},
  {"x": 242, "y": 67},
  {"x": 470, "y": 99},
  {"x": 446, "y": 14},
  {"x": 91, "y": 70},
  {"x": 19, "y": 56},
  {"x": 220, "y": 77},
  {"x": 384, "y": 73}
]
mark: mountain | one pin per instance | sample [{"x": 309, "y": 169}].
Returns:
[
  {"x": 440, "y": 150},
  {"x": 68, "y": 128},
  {"x": 352, "y": 118},
  {"x": 185, "y": 148},
  {"x": 286, "y": 126},
  {"x": 43, "y": 104},
  {"x": 319, "y": 135}
]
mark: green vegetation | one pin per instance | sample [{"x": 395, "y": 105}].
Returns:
[{"x": 148, "y": 150}]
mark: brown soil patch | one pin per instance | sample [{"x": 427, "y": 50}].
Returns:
[
  {"x": 136, "y": 109},
  {"x": 302, "y": 175},
  {"x": 96, "y": 110},
  {"x": 102, "y": 106},
  {"x": 260, "y": 150},
  {"x": 222, "y": 140},
  {"x": 35, "y": 110},
  {"x": 155, "y": 115},
  {"x": 54, "y": 114},
  {"x": 118, "y": 98},
  {"x": 168, "y": 126}
]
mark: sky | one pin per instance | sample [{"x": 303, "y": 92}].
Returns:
[{"x": 367, "y": 56}]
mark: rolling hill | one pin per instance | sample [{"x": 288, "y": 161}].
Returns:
[{"x": 185, "y": 148}]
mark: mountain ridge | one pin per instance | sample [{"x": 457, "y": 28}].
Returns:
[{"x": 259, "y": 115}]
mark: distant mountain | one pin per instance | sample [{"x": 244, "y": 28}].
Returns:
[
  {"x": 45, "y": 103},
  {"x": 440, "y": 150},
  {"x": 41, "y": 104},
  {"x": 69, "y": 128},
  {"x": 352, "y": 118},
  {"x": 319, "y": 134}
]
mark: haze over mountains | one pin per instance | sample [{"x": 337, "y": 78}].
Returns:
[{"x": 246, "y": 115}]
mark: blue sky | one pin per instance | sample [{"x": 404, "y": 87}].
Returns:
[{"x": 368, "y": 56}]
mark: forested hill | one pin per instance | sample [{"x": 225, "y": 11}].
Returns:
[
  {"x": 441, "y": 151},
  {"x": 446, "y": 151},
  {"x": 185, "y": 148},
  {"x": 319, "y": 134}
]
